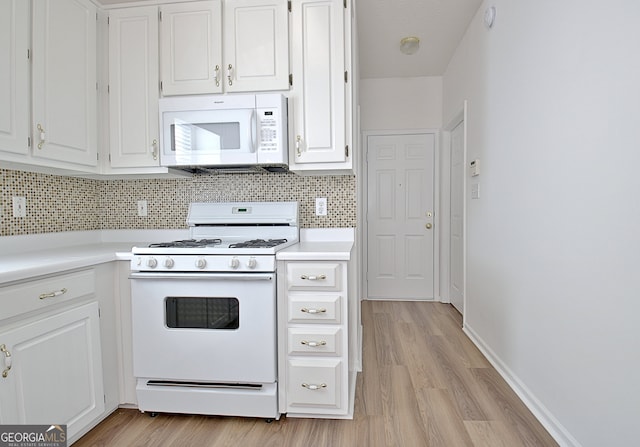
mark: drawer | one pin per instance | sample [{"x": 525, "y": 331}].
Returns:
[
  {"x": 314, "y": 383},
  {"x": 308, "y": 308},
  {"x": 314, "y": 276},
  {"x": 34, "y": 295},
  {"x": 305, "y": 341}
]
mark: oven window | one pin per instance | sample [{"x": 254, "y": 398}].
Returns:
[{"x": 202, "y": 313}]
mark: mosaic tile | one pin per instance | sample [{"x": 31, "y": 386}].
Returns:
[{"x": 59, "y": 203}]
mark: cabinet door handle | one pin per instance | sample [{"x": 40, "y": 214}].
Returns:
[
  {"x": 42, "y": 136},
  {"x": 217, "y": 70},
  {"x": 313, "y": 310},
  {"x": 313, "y": 277},
  {"x": 313, "y": 387},
  {"x": 7, "y": 360},
  {"x": 298, "y": 145},
  {"x": 53, "y": 294},
  {"x": 313, "y": 344},
  {"x": 229, "y": 73},
  {"x": 154, "y": 149}
]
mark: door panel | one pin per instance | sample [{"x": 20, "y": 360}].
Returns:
[
  {"x": 400, "y": 206},
  {"x": 456, "y": 268}
]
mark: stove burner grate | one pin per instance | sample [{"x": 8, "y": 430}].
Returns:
[
  {"x": 258, "y": 243},
  {"x": 187, "y": 243}
]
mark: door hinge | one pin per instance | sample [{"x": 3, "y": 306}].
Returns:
[
  {"x": 346, "y": 150},
  {"x": 161, "y": 86},
  {"x": 290, "y": 80},
  {"x": 346, "y": 77},
  {"x": 289, "y": 5},
  {"x": 96, "y": 16},
  {"x": 28, "y": 141},
  {"x": 108, "y": 89},
  {"x": 160, "y": 15},
  {"x": 109, "y": 158},
  {"x": 28, "y": 54},
  {"x": 345, "y": 4},
  {"x": 96, "y": 86},
  {"x": 108, "y": 21}
]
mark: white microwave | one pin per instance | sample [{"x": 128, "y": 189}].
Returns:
[{"x": 224, "y": 131}]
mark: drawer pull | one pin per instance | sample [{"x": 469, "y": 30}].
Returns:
[
  {"x": 53, "y": 294},
  {"x": 313, "y": 277},
  {"x": 313, "y": 387},
  {"x": 313, "y": 344},
  {"x": 313, "y": 311},
  {"x": 7, "y": 360}
]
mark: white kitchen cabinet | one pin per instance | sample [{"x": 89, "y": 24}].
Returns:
[
  {"x": 314, "y": 352},
  {"x": 321, "y": 135},
  {"x": 256, "y": 45},
  {"x": 133, "y": 87},
  {"x": 14, "y": 77},
  {"x": 58, "y": 334},
  {"x": 252, "y": 33},
  {"x": 64, "y": 90},
  {"x": 50, "y": 352},
  {"x": 191, "y": 47}
]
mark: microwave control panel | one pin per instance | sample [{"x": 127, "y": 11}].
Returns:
[{"x": 268, "y": 128}]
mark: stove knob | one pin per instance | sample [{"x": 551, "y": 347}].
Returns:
[
  {"x": 234, "y": 263},
  {"x": 169, "y": 263},
  {"x": 201, "y": 263},
  {"x": 152, "y": 263},
  {"x": 251, "y": 263}
]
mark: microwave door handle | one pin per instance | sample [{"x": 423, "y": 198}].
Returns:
[{"x": 253, "y": 131}]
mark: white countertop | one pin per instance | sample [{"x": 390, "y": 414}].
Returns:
[{"x": 23, "y": 257}]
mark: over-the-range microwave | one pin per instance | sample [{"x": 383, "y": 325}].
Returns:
[{"x": 224, "y": 131}]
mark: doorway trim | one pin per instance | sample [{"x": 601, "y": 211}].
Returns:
[
  {"x": 362, "y": 182},
  {"x": 445, "y": 222}
]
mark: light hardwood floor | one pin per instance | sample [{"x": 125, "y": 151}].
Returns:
[{"x": 423, "y": 384}]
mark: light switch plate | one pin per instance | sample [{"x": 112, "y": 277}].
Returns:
[
  {"x": 19, "y": 207},
  {"x": 142, "y": 208}
]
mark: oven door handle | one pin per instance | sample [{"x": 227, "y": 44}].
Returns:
[{"x": 205, "y": 276}]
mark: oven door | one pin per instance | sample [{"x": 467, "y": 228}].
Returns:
[{"x": 204, "y": 327}]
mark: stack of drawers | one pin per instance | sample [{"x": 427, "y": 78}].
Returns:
[{"x": 316, "y": 365}]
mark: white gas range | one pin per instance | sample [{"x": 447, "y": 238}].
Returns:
[{"x": 204, "y": 312}]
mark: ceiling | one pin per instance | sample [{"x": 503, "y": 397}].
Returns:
[{"x": 439, "y": 24}]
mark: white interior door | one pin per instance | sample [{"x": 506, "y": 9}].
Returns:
[
  {"x": 456, "y": 259},
  {"x": 400, "y": 201}
]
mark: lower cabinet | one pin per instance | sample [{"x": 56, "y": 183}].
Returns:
[
  {"x": 58, "y": 356},
  {"x": 52, "y": 370},
  {"x": 314, "y": 333}
]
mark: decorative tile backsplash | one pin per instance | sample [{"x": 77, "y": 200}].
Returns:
[{"x": 58, "y": 203}]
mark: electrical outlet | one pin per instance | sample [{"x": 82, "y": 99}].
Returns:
[
  {"x": 321, "y": 206},
  {"x": 19, "y": 207},
  {"x": 142, "y": 208}
]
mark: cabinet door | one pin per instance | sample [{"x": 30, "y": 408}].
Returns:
[
  {"x": 14, "y": 76},
  {"x": 56, "y": 370},
  {"x": 64, "y": 81},
  {"x": 318, "y": 54},
  {"x": 133, "y": 87},
  {"x": 256, "y": 50},
  {"x": 191, "y": 47}
]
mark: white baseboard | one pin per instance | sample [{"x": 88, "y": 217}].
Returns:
[{"x": 548, "y": 421}]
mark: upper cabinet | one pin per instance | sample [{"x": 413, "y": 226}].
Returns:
[
  {"x": 256, "y": 45},
  {"x": 204, "y": 51},
  {"x": 14, "y": 77},
  {"x": 321, "y": 131},
  {"x": 64, "y": 81},
  {"x": 133, "y": 87},
  {"x": 191, "y": 47}
]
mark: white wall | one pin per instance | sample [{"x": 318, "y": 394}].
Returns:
[
  {"x": 553, "y": 291},
  {"x": 401, "y": 103}
]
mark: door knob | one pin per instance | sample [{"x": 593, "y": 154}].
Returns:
[{"x": 428, "y": 226}]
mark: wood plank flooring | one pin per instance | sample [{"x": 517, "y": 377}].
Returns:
[{"x": 423, "y": 384}]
